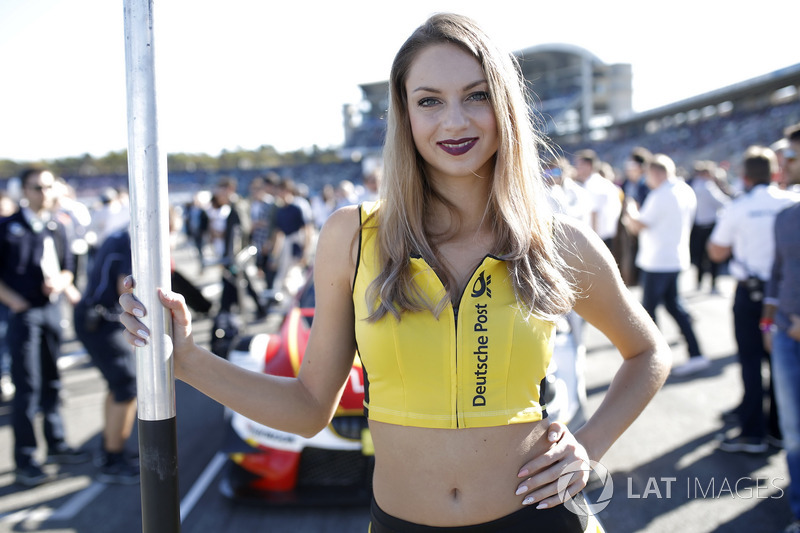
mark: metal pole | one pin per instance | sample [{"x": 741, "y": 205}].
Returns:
[{"x": 147, "y": 178}]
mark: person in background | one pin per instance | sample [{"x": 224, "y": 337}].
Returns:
[
  {"x": 608, "y": 202},
  {"x": 780, "y": 322},
  {"x": 372, "y": 185},
  {"x": 744, "y": 233},
  {"x": 77, "y": 218},
  {"x": 110, "y": 215},
  {"x": 634, "y": 190},
  {"x": 263, "y": 209},
  {"x": 323, "y": 204},
  {"x": 35, "y": 271},
  {"x": 232, "y": 236},
  {"x": 567, "y": 196},
  {"x": 196, "y": 224},
  {"x": 98, "y": 328},
  {"x": 710, "y": 201},
  {"x": 663, "y": 226},
  {"x": 462, "y": 263},
  {"x": 294, "y": 241},
  {"x": 7, "y": 208}
]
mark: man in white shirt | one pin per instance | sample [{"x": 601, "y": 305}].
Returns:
[
  {"x": 607, "y": 196},
  {"x": 663, "y": 226},
  {"x": 745, "y": 234}
]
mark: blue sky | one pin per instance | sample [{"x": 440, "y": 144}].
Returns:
[{"x": 243, "y": 73}]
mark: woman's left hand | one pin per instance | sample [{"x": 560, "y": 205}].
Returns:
[{"x": 565, "y": 457}]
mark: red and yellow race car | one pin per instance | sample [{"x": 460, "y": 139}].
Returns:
[{"x": 283, "y": 468}]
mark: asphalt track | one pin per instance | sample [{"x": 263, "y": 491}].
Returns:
[{"x": 666, "y": 471}]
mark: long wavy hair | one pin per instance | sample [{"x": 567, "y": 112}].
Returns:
[{"x": 523, "y": 226}]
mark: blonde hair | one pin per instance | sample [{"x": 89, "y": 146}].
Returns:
[{"x": 518, "y": 208}]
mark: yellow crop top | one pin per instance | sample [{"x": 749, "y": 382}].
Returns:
[{"x": 486, "y": 368}]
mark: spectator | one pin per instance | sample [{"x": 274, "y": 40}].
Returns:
[
  {"x": 634, "y": 186},
  {"x": 232, "y": 239},
  {"x": 710, "y": 200},
  {"x": 196, "y": 224},
  {"x": 372, "y": 185},
  {"x": 35, "y": 270},
  {"x": 323, "y": 204},
  {"x": 780, "y": 323},
  {"x": 7, "y": 208},
  {"x": 263, "y": 209},
  {"x": 294, "y": 241},
  {"x": 607, "y": 201},
  {"x": 77, "y": 218},
  {"x": 567, "y": 196},
  {"x": 109, "y": 216},
  {"x": 663, "y": 226},
  {"x": 98, "y": 328},
  {"x": 634, "y": 190},
  {"x": 345, "y": 194},
  {"x": 744, "y": 234}
]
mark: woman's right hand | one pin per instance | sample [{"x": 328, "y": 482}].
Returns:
[{"x": 137, "y": 334}]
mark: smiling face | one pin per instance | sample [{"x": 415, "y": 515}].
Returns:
[{"x": 450, "y": 112}]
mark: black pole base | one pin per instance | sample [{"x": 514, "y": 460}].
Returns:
[{"x": 158, "y": 464}]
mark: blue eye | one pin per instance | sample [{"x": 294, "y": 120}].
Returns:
[
  {"x": 427, "y": 102},
  {"x": 480, "y": 96}
]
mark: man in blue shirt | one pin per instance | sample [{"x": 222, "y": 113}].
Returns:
[
  {"x": 35, "y": 271},
  {"x": 98, "y": 328}
]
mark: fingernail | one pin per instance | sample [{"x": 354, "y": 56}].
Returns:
[
  {"x": 523, "y": 472},
  {"x": 522, "y": 490},
  {"x": 552, "y": 436},
  {"x": 529, "y": 500},
  {"x": 142, "y": 333},
  {"x": 140, "y": 343},
  {"x": 137, "y": 312},
  {"x": 542, "y": 506}
]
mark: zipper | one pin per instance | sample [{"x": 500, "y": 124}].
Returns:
[{"x": 456, "y": 312}]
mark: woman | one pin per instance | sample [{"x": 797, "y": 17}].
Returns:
[{"x": 461, "y": 441}]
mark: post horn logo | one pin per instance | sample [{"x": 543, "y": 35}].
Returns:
[
  {"x": 481, "y": 285},
  {"x": 584, "y": 507}
]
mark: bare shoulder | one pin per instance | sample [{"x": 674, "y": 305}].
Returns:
[
  {"x": 580, "y": 247},
  {"x": 337, "y": 246}
]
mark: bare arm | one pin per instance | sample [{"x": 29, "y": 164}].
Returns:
[
  {"x": 608, "y": 305},
  {"x": 302, "y": 405}
]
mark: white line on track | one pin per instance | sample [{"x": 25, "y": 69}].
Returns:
[
  {"x": 202, "y": 483},
  {"x": 81, "y": 499},
  {"x": 67, "y": 511}
]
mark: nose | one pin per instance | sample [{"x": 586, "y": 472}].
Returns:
[{"x": 456, "y": 117}]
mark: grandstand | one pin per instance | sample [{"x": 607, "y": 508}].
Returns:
[
  {"x": 580, "y": 103},
  {"x": 583, "y": 103}
]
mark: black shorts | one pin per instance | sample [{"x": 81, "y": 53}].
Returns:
[
  {"x": 110, "y": 353},
  {"x": 558, "y": 519}
]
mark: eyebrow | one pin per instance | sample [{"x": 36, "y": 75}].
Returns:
[{"x": 465, "y": 88}]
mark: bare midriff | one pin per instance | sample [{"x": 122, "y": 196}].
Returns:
[{"x": 452, "y": 477}]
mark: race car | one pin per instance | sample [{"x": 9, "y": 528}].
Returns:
[
  {"x": 335, "y": 466},
  {"x": 283, "y": 468}
]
